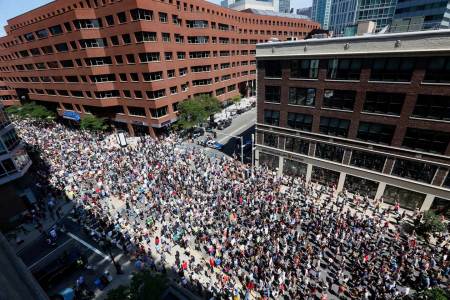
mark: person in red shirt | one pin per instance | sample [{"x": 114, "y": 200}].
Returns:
[{"x": 184, "y": 265}]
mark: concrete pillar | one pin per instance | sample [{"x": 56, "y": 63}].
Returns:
[
  {"x": 426, "y": 205},
  {"x": 130, "y": 129},
  {"x": 280, "y": 166},
  {"x": 341, "y": 181},
  {"x": 380, "y": 190},
  {"x": 308, "y": 172},
  {"x": 256, "y": 158}
]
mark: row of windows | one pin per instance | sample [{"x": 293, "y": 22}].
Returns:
[
  {"x": 427, "y": 106},
  {"x": 404, "y": 168},
  {"x": 393, "y": 69},
  {"x": 417, "y": 139}
]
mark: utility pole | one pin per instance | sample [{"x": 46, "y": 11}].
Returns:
[{"x": 253, "y": 151}]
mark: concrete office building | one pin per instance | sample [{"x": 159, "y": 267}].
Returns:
[
  {"x": 15, "y": 185},
  {"x": 370, "y": 114},
  {"x": 320, "y": 12},
  {"x": 306, "y": 11},
  {"x": 133, "y": 61},
  {"x": 414, "y": 15}
]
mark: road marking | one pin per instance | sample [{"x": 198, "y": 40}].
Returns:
[
  {"x": 234, "y": 132},
  {"x": 88, "y": 246},
  {"x": 37, "y": 262}
]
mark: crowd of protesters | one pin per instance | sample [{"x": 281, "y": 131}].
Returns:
[{"x": 231, "y": 231}]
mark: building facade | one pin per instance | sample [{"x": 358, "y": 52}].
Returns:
[
  {"x": 320, "y": 12},
  {"x": 413, "y": 15},
  {"x": 14, "y": 164},
  {"x": 369, "y": 114},
  {"x": 306, "y": 11},
  {"x": 380, "y": 12},
  {"x": 342, "y": 15},
  {"x": 133, "y": 61}
]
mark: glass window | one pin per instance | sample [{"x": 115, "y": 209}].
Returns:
[
  {"x": 324, "y": 176},
  {"x": 367, "y": 160},
  {"x": 149, "y": 57},
  {"x": 344, "y": 69},
  {"x": 43, "y": 33},
  {"x": 272, "y": 68},
  {"x": 438, "y": 70},
  {"x": 392, "y": 69},
  {"x": 55, "y": 30},
  {"x": 406, "y": 198},
  {"x": 375, "y": 132},
  {"x": 339, "y": 99},
  {"x": 136, "y": 111},
  {"x": 302, "y": 96},
  {"x": 269, "y": 160},
  {"x": 270, "y": 139},
  {"x": 305, "y": 68},
  {"x": 109, "y": 20},
  {"x": 9, "y": 166},
  {"x": 384, "y": 103},
  {"x": 414, "y": 170},
  {"x": 330, "y": 152},
  {"x": 141, "y": 14},
  {"x": 272, "y": 117},
  {"x": 426, "y": 140},
  {"x": 294, "y": 168},
  {"x": 273, "y": 93},
  {"x": 300, "y": 121},
  {"x": 361, "y": 186},
  {"x": 334, "y": 126},
  {"x": 62, "y": 47},
  {"x": 145, "y": 36},
  {"x": 122, "y": 17},
  {"x": 296, "y": 145},
  {"x": 432, "y": 107},
  {"x": 163, "y": 17},
  {"x": 441, "y": 206},
  {"x": 159, "y": 112},
  {"x": 10, "y": 139},
  {"x": 447, "y": 181}
]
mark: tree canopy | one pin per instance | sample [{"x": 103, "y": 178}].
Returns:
[
  {"x": 31, "y": 110},
  {"x": 197, "y": 110},
  {"x": 144, "y": 285},
  {"x": 93, "y": 123}
]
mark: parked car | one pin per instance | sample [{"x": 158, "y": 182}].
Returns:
[
  {"x": 214, "y": 144},
  {"x": 198, "y": 132}
]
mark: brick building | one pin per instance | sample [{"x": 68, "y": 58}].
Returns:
[
  {"x": 370, "y": 114},
  {"x": 133, "y": 61}
]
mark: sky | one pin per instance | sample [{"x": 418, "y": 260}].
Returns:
[{"x": 12, "y": 8}]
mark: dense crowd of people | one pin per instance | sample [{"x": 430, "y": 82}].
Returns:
[{"x": 231, "y": 231}]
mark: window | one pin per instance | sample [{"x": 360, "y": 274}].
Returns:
[
  {"x": 438, "y": 70},
  {"x": 339, "y": 99},
  {"x": 273, "y": 94},
  {"x": 103, "y": 78},
  {"x": 40, "y": 66},
  {"x": 294, "y": 168},
  {"x": 107, "y": 94},
  {"x": 305, "y": 68},
  {"x": 159, "y": 112},
  {"x": 272, "y": 117},
  {"x": 375, "y": 132},
  {"x": 272, "y": 68},
  {"x": 270, "y": 139},
  {"x": 199, "y": 54},
  {"x": 269, "y": 160},
  {"x": 66, "y": 63},
  {"x": 68, "y": 27},
  {"x": 168, "y": 55},
  {"x": 414, "y": 170},
  {"x": 344, "y": 69},
  {"x": 198, "y": 39},
  {"x": 93, "y": 43},
  {"x": 199, "y": 81},
  {"x": 156, "y": 94},
  {"x": 330, "y": 152},
  {"x": 35, "y": 51},
  {"x": 62, "y": 47},
  {"x": 109, "y": 20},
  {"x": 367, "y": 160},
  {"x": 72, "y": 79},
  {"x": 196, "y": 23},
  {"x": 8, "y": 167},
  {"x": 87, "y": 23},
  {"x": 302, "y": 96},
  {"x": 134, "y": 77},
  {"x": 300, "y": 121},
  {"x": 183, "y": 71},
  {"x": 29, "y": 36},
  {"x": 78, "y": 94},
  {"x": 141, "y": 14},
  {"x": 145, "y": 36},
  {"x": 149, "y": 57},
  {"x": 165, "y": 37},
  {"x": 173, "y": 90},
  {"x": 392, "y": 69},
  {"x": 384, "y": 103},
  {"x": 296, "y": 145},
  {"x": 162, "y": 17},
  {"x": 170, "y": 73},
  {"x": 43, "y": 33},
  {"x": 130, "y": 58},
  {"x": 126, "y": 94},
  {"x": 10, "y": 139},
  {"x": 122, "y": 17},
  {"x": 181, "y": 55},
  {"x": 119, "y": 59},
  {"x": 426, "y": 140},
  {"x": 53, "y": 64},
  {"x": 334, "y": 126},
  {"x": 153, "y": 76},
  {"x": 114, "y": 40},
  {"x": 432, "y": 107},
  {"x": 126, "y": 38},
  {"x": 73, "y": 44},
  {"x": 136, "y": 111},
  {"x": 58, "y": 79},
  {"x": 138, "y": 94},
  {"x": 324, "y": 176},
  {"x": 123, "y": 76},
  {"x": 407, "y": 199},
  {"x": 56, "y": 30},
  {"x": 47, "y": 49},
  {"x": 362, "y": 186}
]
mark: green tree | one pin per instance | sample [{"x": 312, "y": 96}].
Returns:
[
  {"x": 91, "y": 122},
  {"x": 119, "y": 293},
  {"x": 31, "y": 110},
  {"x": 236, "y": 99},
  {"x": 433, "y": 294},
  {"x": 197, "y": 110},
  {"x": 143, "y": 286},
  {"x": 430, "y": 223}
]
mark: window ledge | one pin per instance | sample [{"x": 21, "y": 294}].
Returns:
[
  {"x": 342, "y": 80},
  {"x": 377, "y": 114},
  {"x": 276, "y": 103},
  {"x": 306, "y": 79},
  {"x": 299, "y": 105},
  {"x": 436, "y": 83},
  {"x": 273, "y": 78},
  {"x": 337, "y": 109},
  {"x": 429, "y": 120},
  {"x": 389, "y": 82}
]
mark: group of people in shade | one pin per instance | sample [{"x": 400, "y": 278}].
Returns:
[{"x": 230, "y": 231}]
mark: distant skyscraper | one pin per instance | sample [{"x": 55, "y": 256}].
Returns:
[
  {"x": 381, "y": 11},
  {"x": 284, "y": 6},
  {"x": 413, "y": 15},
  {"x": 342, "y": 14},
  {"x": 321, "y": 12},
  {"x": 306, "y": 11}
]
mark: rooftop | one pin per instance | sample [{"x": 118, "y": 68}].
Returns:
[
  {"x": 274, "y": 14},
  {"x": 389, "y": 43}
]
